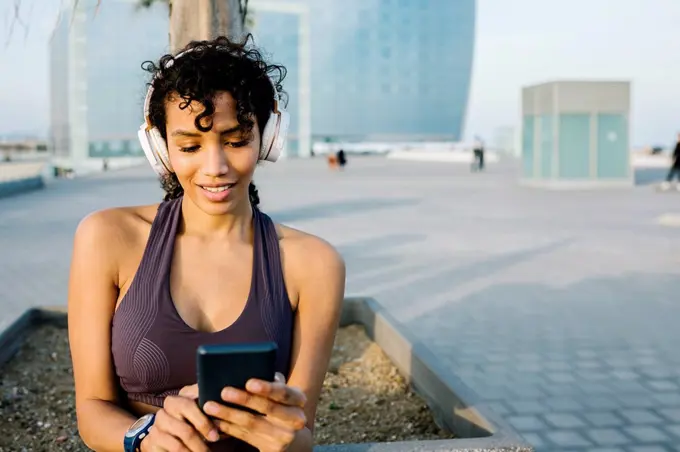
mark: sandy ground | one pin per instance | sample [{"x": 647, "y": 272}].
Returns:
[{"x": 364, "y": 398}]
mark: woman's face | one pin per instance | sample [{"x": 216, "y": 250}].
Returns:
[{"x": 213, "y": 167}]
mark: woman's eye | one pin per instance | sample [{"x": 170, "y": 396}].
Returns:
[
  {"x": 236, "y": 144},
  {"x": 189, "y": 149}
]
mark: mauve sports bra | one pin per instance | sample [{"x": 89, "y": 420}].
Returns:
[{"x": 154, "y": 350}]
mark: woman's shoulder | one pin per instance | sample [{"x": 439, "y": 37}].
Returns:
[
  {"x": 315, "y": 269},
  {"x": 117, "y": 226},
  {"x": 309, "y": 254}
]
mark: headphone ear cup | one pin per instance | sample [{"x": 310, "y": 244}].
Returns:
[
  {"x": 155, "y": 150},
  {"x": 268, "y": 135},
  {"x": 281, "y": 135},
  {"x": 161, "y": 149},
  {"x": 274, "y": 136},
  {"x": 145, "y": 140}
]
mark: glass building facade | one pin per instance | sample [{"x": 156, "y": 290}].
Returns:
[
  {"x": 386, "y": 70},
  {"x": 97, "y": 86},
  {"x": 373, "y": 70}
]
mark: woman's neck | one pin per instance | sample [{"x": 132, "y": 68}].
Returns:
[{"x": 235, "y": 225}]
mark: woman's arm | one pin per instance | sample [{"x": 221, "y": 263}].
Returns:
[
  {"x": 320, "y": 279},
  {"x": 92, "y": 296}
]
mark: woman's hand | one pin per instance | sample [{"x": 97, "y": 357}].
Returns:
[
  {"x": 281, "y": 405},
  {"x": 180, "y": 425}
]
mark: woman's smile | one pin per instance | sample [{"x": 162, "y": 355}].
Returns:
[{"x": 217, "y": 192}]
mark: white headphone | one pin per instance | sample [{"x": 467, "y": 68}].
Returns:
[{"x": 156, "y": 149}]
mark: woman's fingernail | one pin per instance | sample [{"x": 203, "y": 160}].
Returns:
[
  {"x": 255, "y": 386},
  {"x": 213, "y": 435},
  {"x": 229, "y": 394},
  {"x": 209, "y": 408}
]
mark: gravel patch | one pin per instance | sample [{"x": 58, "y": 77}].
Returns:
[{"x": 364, "y": 397}]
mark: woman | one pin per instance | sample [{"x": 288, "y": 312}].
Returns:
[{"x": 149, "y": 284}]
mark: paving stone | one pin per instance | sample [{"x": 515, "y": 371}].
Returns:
[
  {"x": 603, "y": 419},
  {"x": 561, "y": 389},
  {"x": 672, "y": 414},
  {"x": 526, "y": 423},
  {"x": 662, "y": 385},
  {"x": 534, "y": 439},
  {"x": 592, "y": 375},
  {"x": 563, "y": 420},
  {"x": 602, "y": 402},
  {"x": 608, "y": 437},
  {"x": 563, "y": 404},
  {"x": 657, "y": 372},
  {"x": 674, "y": 429},
  {"x": 667, "y": 399},
  {"x": 637, "y": 401},
  {"x": 628, "y": 386},
  {"x": 532, "y": 391},
  {"x": 649, "y": 449},
  {"x": 625, "y": 374},
  {"x": 595, "y": 387},
  {"x": 641, "y": 417},
  {"x": 646, "y": 434},
  {"x": 528, "y": 367},
  {"x": 560, "y": 377},
  {"x": 588, "y": 364},
  {"x": 527, "y": 406},
  {"x": 567, "y": 438},
  {"x": 499, "y": 408},
  {"x": 558, "y": 365}
]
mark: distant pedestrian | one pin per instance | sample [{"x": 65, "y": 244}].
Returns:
[
  {"x": 478, "y": 151},
  {"x": 674, "y": 169},
  {"x": 342, "y": 158},
  {"x": 332, "y": 160}
]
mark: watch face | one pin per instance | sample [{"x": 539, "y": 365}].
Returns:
[{"x": 138, "y": 425}]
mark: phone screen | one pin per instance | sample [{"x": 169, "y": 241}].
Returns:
[{"x": 219, "y": 366}]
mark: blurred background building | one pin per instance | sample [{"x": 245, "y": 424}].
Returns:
[
  {"x": 358, "y": 70},
  {"x": 576, "y": 134},
  {"x": 381, "y": 70},
  {"x": 97, "y": 86}
]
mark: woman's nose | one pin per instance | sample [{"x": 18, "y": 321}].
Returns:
[{"x": 215, "y": 161}]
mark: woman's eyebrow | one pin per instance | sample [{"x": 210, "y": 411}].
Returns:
[
  {"x": 187, "y": 133},
  {"x": 236, "y": 128}
]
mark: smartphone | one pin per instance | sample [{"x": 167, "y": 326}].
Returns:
[{"x": 219, "y": 366}]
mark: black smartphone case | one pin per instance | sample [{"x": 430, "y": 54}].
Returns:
[{"x": 219, "y": 366}]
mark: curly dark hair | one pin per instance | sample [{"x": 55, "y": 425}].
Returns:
[{"x": 208, "y": 68}]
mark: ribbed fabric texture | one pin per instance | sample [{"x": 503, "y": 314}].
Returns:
[{"x": 154, "y": 350}]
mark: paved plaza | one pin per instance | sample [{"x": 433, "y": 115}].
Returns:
[{"x": 560, "y": 309}]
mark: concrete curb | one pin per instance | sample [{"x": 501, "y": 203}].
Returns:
[
  {"x": 14, "y": 187},
  {"x": 15, "y": 334},
  {"x": 454, "y": 405}
]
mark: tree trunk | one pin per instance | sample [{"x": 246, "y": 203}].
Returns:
[{"x": 203, "y": 19}]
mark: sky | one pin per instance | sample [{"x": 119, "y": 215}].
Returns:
[{"x": 518, "y": 43}]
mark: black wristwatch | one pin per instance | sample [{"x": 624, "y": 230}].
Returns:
[{"x": 137, "y": 432}]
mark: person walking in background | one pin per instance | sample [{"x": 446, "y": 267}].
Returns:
[
  {"x": 342, "y": 158},
  {"x": 674, "y": 169},
  {"x": 478, "y": 150}
]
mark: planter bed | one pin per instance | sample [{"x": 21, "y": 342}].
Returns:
[{"x": 382, "y": 391}]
